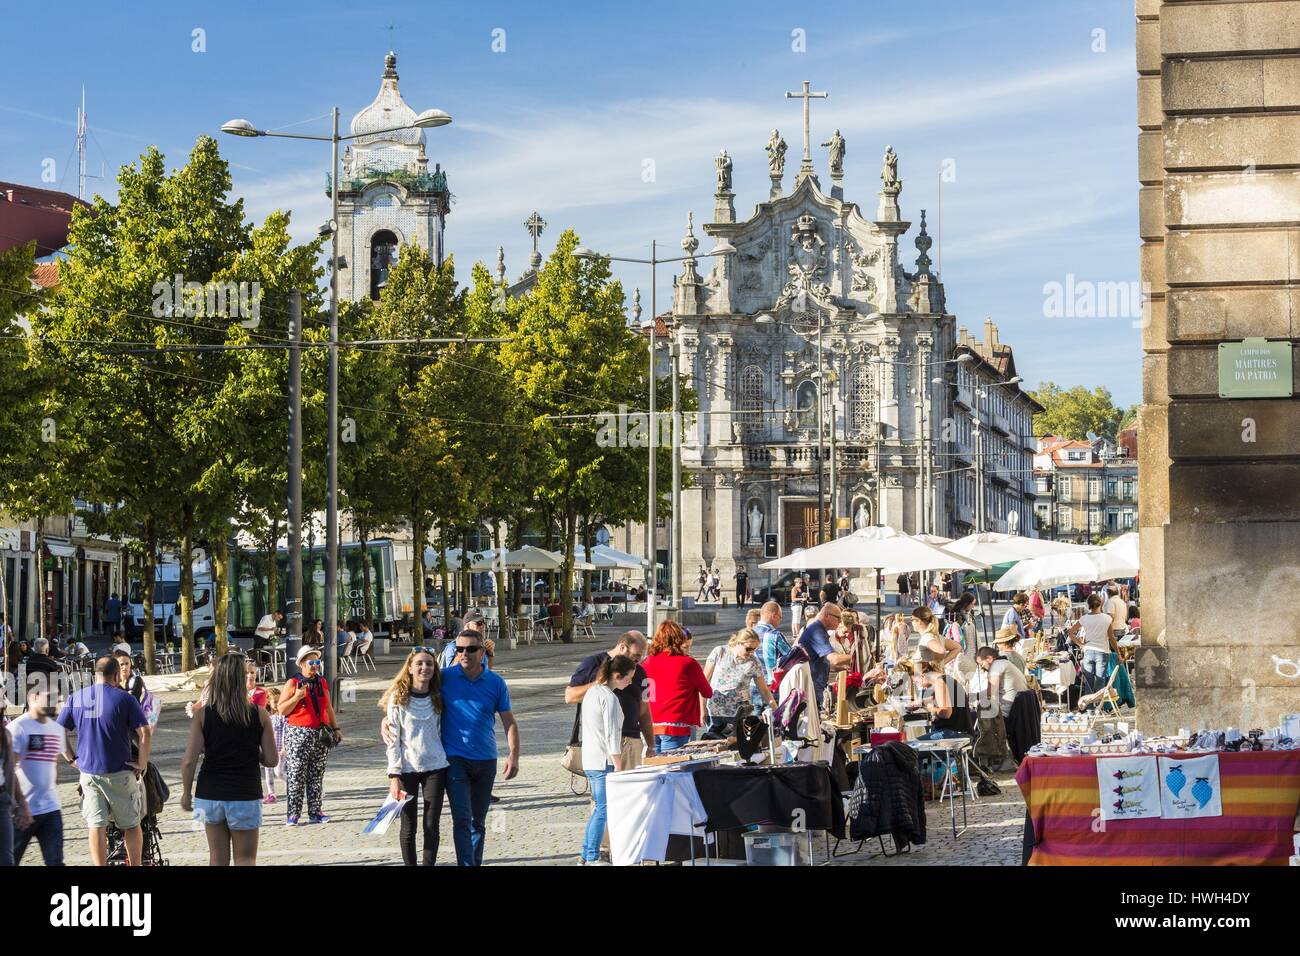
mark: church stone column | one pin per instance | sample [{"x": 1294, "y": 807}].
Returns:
[{"x": 726, "y": 525}]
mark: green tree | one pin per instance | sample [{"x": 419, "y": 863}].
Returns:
[
  {"x": 1072, "y": 413},
  {"x": 573, "y": 358},
  {"x": 160, "y": 432}
]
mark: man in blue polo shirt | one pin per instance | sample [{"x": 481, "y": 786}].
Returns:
[
  {"x": 822, "y": 656},
  {"x": 472, "y": 696}
]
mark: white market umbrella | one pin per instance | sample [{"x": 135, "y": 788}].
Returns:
[
  {"x": 994, "y": 547},
  {"x": 988, "y": 548},
  {"x": 1125, "y": 547},
  {"x": 876, "y": 547},
  {"x": 1052, "y": 570},
  {"x": 527, "y": 558},
  {"x": 453, "y": 558},
  {"x": 605, "y": 558}
]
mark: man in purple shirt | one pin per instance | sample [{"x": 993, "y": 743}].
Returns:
[{"x": 105, "y": 718}]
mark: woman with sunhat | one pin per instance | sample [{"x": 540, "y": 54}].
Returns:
[{"x": 305, "y": 705}]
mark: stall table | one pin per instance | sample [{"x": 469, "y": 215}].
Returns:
[{"x": 1260, "y": 793}]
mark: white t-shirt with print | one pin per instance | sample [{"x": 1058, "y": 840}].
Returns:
[{"x": 37, "y": 747}]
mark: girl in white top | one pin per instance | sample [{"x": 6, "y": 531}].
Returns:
[
  {"x": 416, "y": 760},
  {"x": 602, "y": 744}
]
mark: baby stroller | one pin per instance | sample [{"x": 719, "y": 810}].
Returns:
[{"x": 156, "y": 794}]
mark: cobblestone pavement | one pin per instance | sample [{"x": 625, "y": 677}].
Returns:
[{"x": 539, "y": 819}]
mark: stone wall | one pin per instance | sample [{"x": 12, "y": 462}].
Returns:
[{"x": 1219, "y": 515}]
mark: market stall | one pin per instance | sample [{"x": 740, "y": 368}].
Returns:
[{"x": 1173, "y": 808}]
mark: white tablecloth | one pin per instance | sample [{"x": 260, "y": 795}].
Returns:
[
  {"x": 645, "y": 807},
  {"x": 1060, "y": 676}
]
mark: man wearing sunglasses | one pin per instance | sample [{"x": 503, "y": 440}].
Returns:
[{"x": 472, "y": 696}]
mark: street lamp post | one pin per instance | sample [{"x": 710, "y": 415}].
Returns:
[
  {"x": 723, "y": 248},
  {"x": 242, "y": 127}
]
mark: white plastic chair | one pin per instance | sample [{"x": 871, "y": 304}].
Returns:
[{"x": 364, "y": 652}]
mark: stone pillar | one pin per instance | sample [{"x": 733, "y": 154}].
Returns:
[
  {"x": 1218, "y": 512},
  {"x": 726, "y": 525}
]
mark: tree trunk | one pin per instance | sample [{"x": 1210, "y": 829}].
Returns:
[
  {"x": 369, "y": 608},
  {"x": 40, "y": 578},
  {"x": 500, "y": 575},
  {"x": 273, "y": 569},
  {"x": 586, "y": 550},
  {"x": 513, "y": 539},
  {"x": 185, "y": 600},
  {"x": 147, "y": 573},
  {"x": 566, "y": 576},
  {"x": 417, "y": 575},
  {"x": 220, "y": 590},
  {"x": 442, "y": 576}
]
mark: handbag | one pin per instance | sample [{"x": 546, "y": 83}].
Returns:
[
  {"x": 572, "y": 757},
  {"x": 327, "y": 735}
]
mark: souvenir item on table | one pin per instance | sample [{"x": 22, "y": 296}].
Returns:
[
  {"x": 1129, "y": 788},
  {"x": 751, "y": 735},
  {"x": 1189, "y": 787},
  {"x": 1290, "y": 726}
]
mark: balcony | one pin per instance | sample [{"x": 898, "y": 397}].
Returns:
[{"x": 413, "y": 180}]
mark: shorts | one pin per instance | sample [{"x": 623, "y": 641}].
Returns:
[
  {"x": 235, "y": 814},
  {"x": 111, "y": 796}
]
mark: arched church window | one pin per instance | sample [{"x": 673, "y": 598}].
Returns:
[
  {"x": 751, "y": 402},
  {"x": 383, "y": 254},
  {"x": 806, "y": 403},
  {"x": 861, "y": 402}
]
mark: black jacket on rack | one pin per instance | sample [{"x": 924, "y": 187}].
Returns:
[
  {"x": 888, "y": 798},
  {"x": 1024, "y": 724}
]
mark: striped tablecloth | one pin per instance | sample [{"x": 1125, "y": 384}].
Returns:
[{"x": 1260, "y": 792}]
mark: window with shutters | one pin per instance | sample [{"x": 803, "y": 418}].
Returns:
[{"x": 862, "y": 405}]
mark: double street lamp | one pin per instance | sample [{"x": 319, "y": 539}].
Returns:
[
  {"x": 429, "y": 119},
  {"x": 723, "y": 248}
]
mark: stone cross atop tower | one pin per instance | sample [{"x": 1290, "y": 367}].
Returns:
[
  {"x": 534, "y": 224},
  {"x": 806, "y": 166}
]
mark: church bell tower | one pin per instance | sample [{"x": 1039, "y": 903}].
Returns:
[{"x": 388, "y": 196}]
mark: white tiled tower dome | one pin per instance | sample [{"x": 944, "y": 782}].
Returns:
[{"x": 387, "y": 194}]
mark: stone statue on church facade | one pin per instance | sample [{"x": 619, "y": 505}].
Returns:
[
  {"x": 889, "y": 171},
  {"x": 775, "y": 154},
  {"x": 836, "y": 144},
  {"x": 724, "y": 172},
  {"x": 861, "y": 517},
  {"x": 755, "y": 520}
]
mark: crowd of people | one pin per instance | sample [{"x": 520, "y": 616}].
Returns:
[{"x": 440, "y": 714}]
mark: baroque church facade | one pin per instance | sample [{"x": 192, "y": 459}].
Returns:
[{"x": 816, "y": 315}]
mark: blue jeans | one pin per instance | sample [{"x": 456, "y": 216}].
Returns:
[
  {"x": 469, "y": 787},
  {"x": 595, "y": 822},
  {"x": 664, "y": 743},
  {"x": 1094, "y": 669},
  {"x": 47, "y": 828}
]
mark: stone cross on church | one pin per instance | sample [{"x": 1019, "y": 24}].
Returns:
[{"x": 806, "y": 167}]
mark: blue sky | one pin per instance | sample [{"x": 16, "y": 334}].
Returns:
[{"x": 1034, "y": 121}]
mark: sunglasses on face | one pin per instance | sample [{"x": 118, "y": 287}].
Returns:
[
  {"x": 462, "y": 649},
  {"x": 311, "y": 663}
]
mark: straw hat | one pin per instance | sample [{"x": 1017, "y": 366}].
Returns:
[{"x": 1007, "y": 635}]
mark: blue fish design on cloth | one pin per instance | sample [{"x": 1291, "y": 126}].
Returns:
[
  {"x": 1176, "y": 780},
  {"x": 1202, "y": 791}
]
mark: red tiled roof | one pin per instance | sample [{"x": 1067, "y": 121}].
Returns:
[{"x": 46, "y": 274}]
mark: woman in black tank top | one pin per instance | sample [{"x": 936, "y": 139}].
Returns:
[
  {"x": 949, "y": 708},
  {"x": 235, "y": 740}
]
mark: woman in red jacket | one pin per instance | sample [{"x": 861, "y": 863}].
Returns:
[{"x": 677, "y": 682}]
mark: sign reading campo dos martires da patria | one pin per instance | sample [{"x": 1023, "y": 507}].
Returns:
[{"x": 1255, "y": 368}]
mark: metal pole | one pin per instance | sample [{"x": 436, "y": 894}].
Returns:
[
  {"x": 821, "y": 478},
  {"x": 979, "y": 465},
  {"x": 651, "y": 537},
  {"x": 332, "y": 454},
  {"x": 676, "y": 556},
  {"x": 293, "y": 601},
  {"x": 925, "y": 447},
  {"x": 835, "y": 488}
]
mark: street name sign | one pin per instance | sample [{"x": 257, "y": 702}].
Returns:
[{"x": 1255, "y": 368}]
